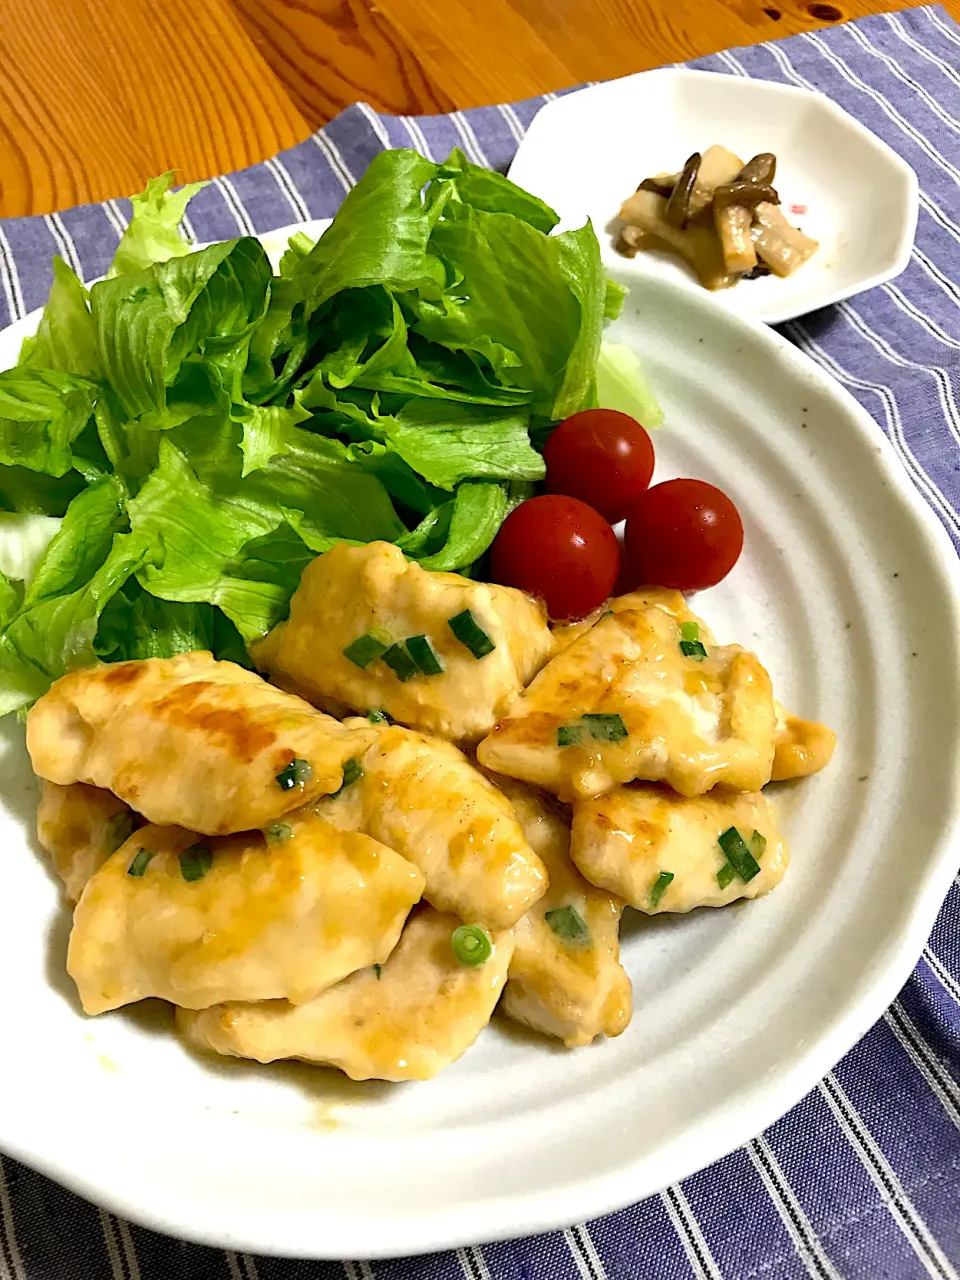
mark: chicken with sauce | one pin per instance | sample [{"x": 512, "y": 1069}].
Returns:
[
  {"x": 626, "y": 701},
  {"x": 369, "y": 628},
  {"x": 423, "y": 797},
  {"x": 565, "y": 977},
  {"x": 663, "y": 852},
  {"x": 189, "y": 742},
  {"x": 405, "y": 1020},
  {"x": 79, "y": 827},
  {"x": 240, "y": 917}
]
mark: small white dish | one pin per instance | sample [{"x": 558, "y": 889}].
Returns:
[
  {"x": 587, "y": 151},
  {"x": 847, "y": 589}
]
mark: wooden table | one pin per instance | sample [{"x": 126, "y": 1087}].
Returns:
[{"x": 98, "y": 95}]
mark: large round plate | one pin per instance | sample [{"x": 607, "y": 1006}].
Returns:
[{"x": 847, "y": 591}]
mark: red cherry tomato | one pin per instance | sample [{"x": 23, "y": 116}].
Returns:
[
  {"x": 559, "y": 549},
  {"x": 684, "y": 534},
  {"x": 602, "y": 457}
]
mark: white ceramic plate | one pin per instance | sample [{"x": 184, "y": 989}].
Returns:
[
  {"x": 847, "y": 591},
  {"x": 587, "y": 151}
]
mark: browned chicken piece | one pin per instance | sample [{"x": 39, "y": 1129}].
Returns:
[
  {"x": 565, "y": 978},
  {"x": 189, "y": 741},
  {"x": 664, "y": 852},
  {"x": 624, "y": 701},
  {"x": 423, "y": 797},
  {"x": 672, "y": 602},
  {"x": 244, "y": 917},
  {"x": 801, "y": 747},
  {"x": 405, "y": 1020},
  {"x": 79, "y": 827},
  {"x": 373, "y": 596}
]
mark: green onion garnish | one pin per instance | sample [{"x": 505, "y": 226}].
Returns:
[
  {"x": 140, "y": 862},
  {"x": 663, "y": 880},
  {"x": 364, "y": 650},
  {"x": 470, "y": 634},
  {"x": 425, "y": 655},
  {"x": 568, "y": 735},
  {"x": 196, "y": 861},
  {"x": 471, "y": 944},
  {"x": 725, "y": 875},
  {"x": 607, "y": 613},
  {"x": 378, "y": 970},
  {"x": 605, "y": 728},
  {"x": 738, "y": 855},
  {"x": 376, "y": 716},
  {"x": 567, "y": 923},
  {"x": 400, "y": 662},
  {"x": 758, "y": 844},
  {"x": 690, "y": 644},
  {"x": 295, "y": 774},
  {"x": 118, "y": 831},
  {"x": 278, "y": 831},
  {"x": 352, "y": 771}
]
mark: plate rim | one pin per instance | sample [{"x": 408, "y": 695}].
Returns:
[{"x": 308, "y": 1235}]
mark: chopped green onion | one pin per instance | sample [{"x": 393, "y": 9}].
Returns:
[
  {"x": 296, "y": 773},
  {"x": 140, "y": 862},
  {"x": 470, "y": 634},
  {"x": 378, "y": 970},
  {"x": 660, "y": 885},
  {"x": 607, "y": 613},
  {"x": 376, "y": 716},
  {"x": 424, "y": 655},
  {"x": 400, "y": 662},
  {"x": 605, "y": 728},
  {"x": 568, "y": 735},
  {"x": 364, "y": 650},
  {"x": 693, "y": 649},
  {"x": 118, "y": 830},
  {"x": 738, "y": 855},
  {"x": 689, "y": 630},
  {"x": 471, "y": 944},
  {"x": 352, "y": 771},
  {"x": 196, "y": 861},
  {"x": 725, "y": 875},
  {"x": 758, "y": 844},
  {"x": 567, "y": 923},
  {"x": 278, "y": 831}
]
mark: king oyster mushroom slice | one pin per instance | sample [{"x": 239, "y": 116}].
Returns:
[
  {"x": 733, "y": 205},
  {"x": 647, "y": 228},
  {"x": 781, "y": 246}
]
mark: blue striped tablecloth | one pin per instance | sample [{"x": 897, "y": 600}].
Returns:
[{"x": 862, "y": 1179}]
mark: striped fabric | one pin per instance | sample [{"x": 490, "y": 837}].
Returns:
[{"x": 862, "y": 1179}]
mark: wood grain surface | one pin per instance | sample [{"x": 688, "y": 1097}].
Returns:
[{"x": 98, "y": 95}]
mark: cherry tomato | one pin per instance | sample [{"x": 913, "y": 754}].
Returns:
[
  {"x": 601, "y": 456},
  {"x": 559, "y": 549},
  {"x": 684, "y": 534}
]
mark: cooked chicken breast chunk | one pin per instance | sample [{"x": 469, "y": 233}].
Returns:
[
  {"x": 423, "y": 797},
  {"x": 627, "y": 840},
  {"x": 624, "y": 701},
  {"x": 672, "y": 602},
  {"x": 419, "y": 1013},
  {"x": 79, "y": 827},
  {"x": 801, "y": 747},
  {"x": 243, "y": 917},
  {"x": 565, "y": 977},
  {"x": 357, "y": 600},
  {"x": 189, "y": 741}
]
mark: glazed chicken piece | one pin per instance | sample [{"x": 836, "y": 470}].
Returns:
[
  {"x": 353, "y": 603},
  {"x": 189, "y": 741},
  {"x": 672, "y": 602},
  {"x": 78, "y": 828},
  {"x": 565, "y": 977},
  {"x": 407, "y": 1021},
  {"x": 624, "y": 701},
  {"x": 801, "y": 747},
  {"x": 423, "y": 797},
  {"x": 631, "y": 840},
  {"x": 243, "y": 917}
]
